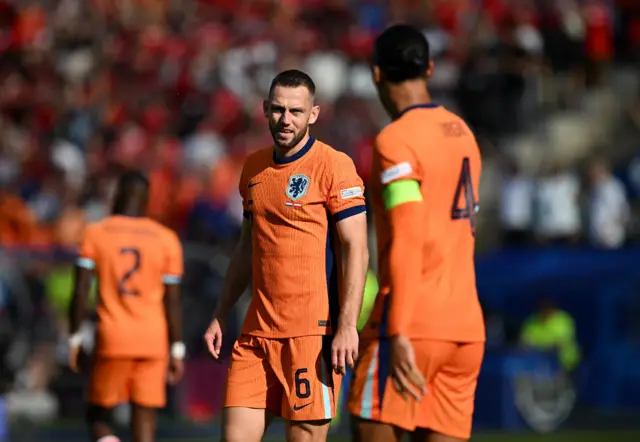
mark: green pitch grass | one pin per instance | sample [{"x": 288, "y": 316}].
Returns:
[
  {"x": 56, "y": 433},
  {"x": 577, "y": 436},
  {"x": 565, "y": 436}
]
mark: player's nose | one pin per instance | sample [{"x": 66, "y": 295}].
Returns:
[{"x": 286, "y": 119}]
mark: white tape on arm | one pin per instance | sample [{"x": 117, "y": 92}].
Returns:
[
  {"x": 76, "y": 340},
  {"x": 178, "y": 350}
]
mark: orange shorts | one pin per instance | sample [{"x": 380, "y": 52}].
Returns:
[
  {"x": 115, "y": 381},
  {"x": 292, "y": 377},
  {"x": 451, "y": 372}
]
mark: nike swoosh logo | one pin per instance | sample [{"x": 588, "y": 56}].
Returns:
[
  {"x": 296, "y": 408},
  {"x": 250, "y": 185}
]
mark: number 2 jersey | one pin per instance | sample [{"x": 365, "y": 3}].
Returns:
[
  {"x": 132, "y": 258},
  {"x": 427, "y": 156}
]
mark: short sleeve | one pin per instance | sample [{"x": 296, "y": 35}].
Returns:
[
  {"x": 174, "y": 265},
  {"x": 346, "y": 191},
  {"x": 88, "y": 250},
  {"x": 394, "y": 160}
]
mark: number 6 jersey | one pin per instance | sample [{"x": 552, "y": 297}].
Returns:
[
  {"x": 293, "y": 205},
  {"x": 425, "y": 178},
  {"x": 133, "y": 258}
]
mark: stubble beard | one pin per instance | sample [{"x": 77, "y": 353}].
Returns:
[{"x": 288, "y": 145}]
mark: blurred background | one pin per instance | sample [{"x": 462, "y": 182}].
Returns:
[{"x": 550, "y": 87}]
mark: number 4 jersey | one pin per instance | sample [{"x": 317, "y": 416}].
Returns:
[
  {"x": 429, "y": 157},
  {"x": 133, "y": 258}
]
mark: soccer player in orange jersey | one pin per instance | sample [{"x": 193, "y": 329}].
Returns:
[
  {"x": 423, "y": 345},
  {"x": 304, "y": 205},
  {"x": 138, "y": 265}
]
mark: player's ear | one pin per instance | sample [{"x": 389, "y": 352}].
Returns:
[
  {"x": 315, "y": 113},
  {"x": 377, "y": 74},
  {"x": 265, "y": 108},
  {"x": 430, "y": 69}
]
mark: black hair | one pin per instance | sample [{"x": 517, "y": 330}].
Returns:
[
  {"x": 293, "y": 78},
  {"x": 132, "y": 178},
  {"x": 402, "y": 53},
  {"x": 132, "y": 193}
]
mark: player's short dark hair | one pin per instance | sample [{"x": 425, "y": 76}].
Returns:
[
  {"x": 293, "y": 78},
  {"x": 132, "y": 193},
  {"x": 132, "y": 178},
  {"x": 402, "y": 53}
]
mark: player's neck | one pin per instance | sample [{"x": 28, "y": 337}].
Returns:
[
  {"x": 129, "y": 212},
  {"x": 282, "y": 152},
  {"x": 409, "y": 94}
]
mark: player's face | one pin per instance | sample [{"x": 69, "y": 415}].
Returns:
[{"x": 290, "y": 111}]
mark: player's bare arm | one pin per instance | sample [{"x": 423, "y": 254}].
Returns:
[
  {"x": 174, "y": 323},
  {"x": 353, "y": 237},
  {"x": 235, "y": 283},
  {"x": 77, "y": 313},
  {"x": 404, "y": 205}
]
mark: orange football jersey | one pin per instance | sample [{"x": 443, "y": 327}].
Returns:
[
  {"x": 293, "y": 204},
  {"x": 435, "y": 147},
  {"x": 133, "y": 258}
]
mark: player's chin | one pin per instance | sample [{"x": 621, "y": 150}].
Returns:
[{"x": 286, "y": 140}]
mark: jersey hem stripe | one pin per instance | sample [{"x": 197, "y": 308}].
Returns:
[{"x": 351, "y": 211}]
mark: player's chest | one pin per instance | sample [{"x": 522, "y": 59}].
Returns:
[{"x": 295, "y": 194}]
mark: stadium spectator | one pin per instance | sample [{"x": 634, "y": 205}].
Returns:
[
  {"x": 513, "y": 61},
  {"x": 170, "y": 89},
  {"x": 563, "y": 31},
  {"x": 599, "y": 40},
  {"x": 552, "y": 329},
  {"x": 557, "y": 206},
  {"x": 609, "y": 212},
  {"x": 516, "y": 205}
]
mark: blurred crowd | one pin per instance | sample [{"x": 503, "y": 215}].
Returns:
[
  {"x": 556, "y": 208},
  {"x": 176, "y": 88}
]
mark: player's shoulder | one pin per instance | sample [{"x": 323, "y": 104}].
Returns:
[
  {"x": 254, "y": 163},
  {"x": 104, "y": 226},
  {"x": 163, "y": 232},
  {"x": 258, "y": 159},
  {"x": 94, "y": 228},
  {"x": 453, "y": 125},
  {"x": 396, "y": 132},
  {"x": 331, "y": 155}
]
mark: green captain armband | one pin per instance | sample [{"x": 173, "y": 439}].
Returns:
[{"x": 400, "y": 192}]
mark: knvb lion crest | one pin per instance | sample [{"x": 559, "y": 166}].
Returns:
[{"x": 297, "y": 187}]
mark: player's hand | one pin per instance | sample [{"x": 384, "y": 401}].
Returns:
[
  {"x": 213, "y": 338},
  {"x": 406, "y": 377},
  {"x": 176, "y": 371},
  {"x": 344, "y": 350}
]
